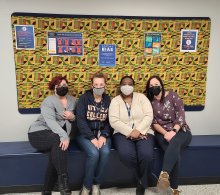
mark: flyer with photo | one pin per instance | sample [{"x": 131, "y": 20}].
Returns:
[
  {"x": 188, "y": 40},
  {"x": 152, "y": 43},
  {"x": 107, "y": 55},
  {"x": 65, "y": 43},
  {"x": 24, "y": 36}
]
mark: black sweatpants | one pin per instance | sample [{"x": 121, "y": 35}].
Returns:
[
  {"x": 172, "y": 151},
  {"x": 48, "y": 142},
  {"x": 137, "y": 155}
]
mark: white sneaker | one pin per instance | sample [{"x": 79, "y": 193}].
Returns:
[
  {"x": 84, "y": 191},
  {"x": 96, "y": 190}
]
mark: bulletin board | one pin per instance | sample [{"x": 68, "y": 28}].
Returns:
[{"x": 182, "y": 72}]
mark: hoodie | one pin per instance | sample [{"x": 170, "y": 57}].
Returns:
[{"x": 92, "y": 117}]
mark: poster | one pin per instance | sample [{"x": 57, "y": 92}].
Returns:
[
  {"x": 24, "y": 36},
  {"x": 107, "y": 55},
  {"x": 188, "y": 40},
  {"x": 65, "y": 43},
  {"x": 152, "y": 43}
]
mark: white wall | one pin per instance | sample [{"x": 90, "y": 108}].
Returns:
[{"x": 14, "y": 126}]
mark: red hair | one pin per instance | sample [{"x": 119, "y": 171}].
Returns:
[{"x": 56, "y": 81}]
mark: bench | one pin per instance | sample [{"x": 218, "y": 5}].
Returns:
[{"x": 22, "y": 167}]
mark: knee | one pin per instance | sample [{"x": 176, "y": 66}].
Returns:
[
  {"x": 128, "y": 158},
  {"x": 93, "y": 154},
  {"x": 146, "y": 156},
  {"x": 105, "y": 152},
  {"x": 55, "y": 139}
]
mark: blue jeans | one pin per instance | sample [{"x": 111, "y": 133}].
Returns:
[{"x": 96, "y": 160}]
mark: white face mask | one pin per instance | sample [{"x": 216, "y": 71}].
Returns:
[{"x": 127, "y": 89}]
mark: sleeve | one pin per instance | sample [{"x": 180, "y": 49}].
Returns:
[
  {"x": 107, "y": 131},
  {"x": 49, "y": 115},
  {"x": 115, "y": 121},
  {"x": 179, "y": 110},
  {"x": 81, "y": 119},
  {"x": 147, "y": 115}
]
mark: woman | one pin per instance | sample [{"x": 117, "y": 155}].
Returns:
[
  {"x": 50, "y": 133},
  {"x": 94, "y": 133},
  {"x": 130, "y": 115},
  {"x": 171, "y": 131}
]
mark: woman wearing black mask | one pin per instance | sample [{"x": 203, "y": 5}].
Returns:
[
  {"x": 171, "y": 130},
  {"x": 94, "y": 133},
  {"x": 50, "y": 133}
]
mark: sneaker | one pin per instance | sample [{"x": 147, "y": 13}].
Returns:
[
  {"x": 140, "y": 190},
  {"x": 175, "y": 192},
  {"x": 84, "y": 191},
  {"x": 96, "y": 190},
  {"x": 163, "y": 182}
]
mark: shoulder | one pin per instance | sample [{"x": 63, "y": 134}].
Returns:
[
  {"x": 140, "y": 96},
  {"x": 173, "y": 95},
  {"x": 116, "y": 99},
  {"x": 50, "y": 99},
  {"x": 71, "y": 98}
]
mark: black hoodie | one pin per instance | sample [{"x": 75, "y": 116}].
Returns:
[{"x": 92, "y": 117}]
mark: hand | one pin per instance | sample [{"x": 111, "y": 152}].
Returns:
[
  {"x": 64, "y": 144},
  {"x": 169, "y": 135},
  {"x": 134, "y": 134},
  {"x": 143, "y": 136},
  {"x": 68, "y": 115},
  {"x": 102, "y": 141},
  {"x": 95, "y": 143}
]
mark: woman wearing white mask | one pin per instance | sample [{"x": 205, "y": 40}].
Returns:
[
  {"x": 131, "y": 115},
  {"x": 94, "y": 133}
]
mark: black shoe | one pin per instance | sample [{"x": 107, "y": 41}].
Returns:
[
  {"x": 63, "y": 184},
  {"x": 46, "y": 193},
  {"x": 140, "y": 190}
]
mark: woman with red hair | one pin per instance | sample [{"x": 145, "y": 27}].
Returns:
[{"x": 50, "y": 133}]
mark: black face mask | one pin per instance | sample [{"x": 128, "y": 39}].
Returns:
[
  {"x": 62, "y": 91},
  {"x": 155, "y": 90}
]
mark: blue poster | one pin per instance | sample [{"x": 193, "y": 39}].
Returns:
[
  {"x": 107, "y": 55},
  {"x": 65, "y": 43},
  {"x": 152, "y": 43},
  {"x": 24, "y": 36},
  {"x": 188, "y": 40}
]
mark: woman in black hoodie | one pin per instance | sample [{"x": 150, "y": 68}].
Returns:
[{"x": 94, "y": 133}]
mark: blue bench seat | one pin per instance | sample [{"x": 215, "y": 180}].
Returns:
[{"x": 22, "y": 167}]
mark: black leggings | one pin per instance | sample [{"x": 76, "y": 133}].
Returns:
[
  {"x": 48, "y": 142},
  {"x": 172, "y": 152}
]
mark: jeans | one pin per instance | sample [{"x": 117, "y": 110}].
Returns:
[
  {"x": 137, "y": 155},
  {"x": 172, "y": 151},
  {"x": 48, "y": 142},
  {"x": 96, "y": 160}
]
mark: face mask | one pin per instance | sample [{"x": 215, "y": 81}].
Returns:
[
  {"x": 98, "y": 91},
  {"x": 155, "y": 90},
  {"x": 62, "y": 91},
  {"x": 127, "y": 89}
]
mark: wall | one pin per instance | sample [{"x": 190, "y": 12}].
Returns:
[{"x": 14, "y": 126}]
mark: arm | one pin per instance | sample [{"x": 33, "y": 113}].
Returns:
[
  {"x": 115, "y": 120},
  {"x": 49, "y": 115},
  {"x": 106, "y": 132},
  {"x": 147, "y": 115},
  {"x": 81, "y": 119},
  {"x": 179, "y": 112}
]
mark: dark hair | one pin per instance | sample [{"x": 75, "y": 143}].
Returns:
[
  {"x": 127, "y": 77},
  {"x": 98, "y": 75},
  {"x": 151, "y": 96},
  {"x": 56, "y": 81}
]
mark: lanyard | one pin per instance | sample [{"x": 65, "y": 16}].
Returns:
[{"x": 129, "y": 113}]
